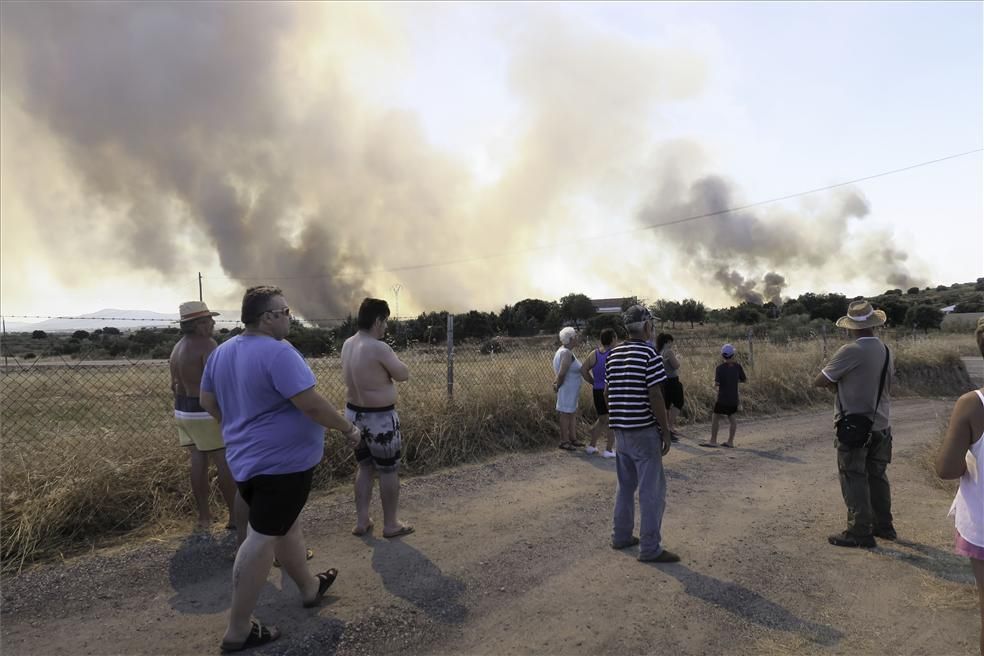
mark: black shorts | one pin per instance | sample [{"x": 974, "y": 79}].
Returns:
[
  {"x": 722, "y": 409},
  {"x": 601, "y": 407},
  {"x": 673, "y": 393},
  {"x": 275, "y": 500}
]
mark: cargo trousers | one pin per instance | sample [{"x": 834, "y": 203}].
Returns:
[{"x": 864, "y": 483}]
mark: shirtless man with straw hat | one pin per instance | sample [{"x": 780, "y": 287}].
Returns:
[{"x": 197, "y": 430}]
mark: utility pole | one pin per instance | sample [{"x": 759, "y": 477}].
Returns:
[
  {"x": 396, "y": 292},
  {"x": 4, "y": 321},
  {"x": 200, "y": 286}
]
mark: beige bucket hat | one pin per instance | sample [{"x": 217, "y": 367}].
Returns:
[
  {"x": 195, "y": 310},
  {"x": 861, "y": 315}
]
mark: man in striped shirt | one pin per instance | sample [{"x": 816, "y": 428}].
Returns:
[{"x": 637, "y": 414}]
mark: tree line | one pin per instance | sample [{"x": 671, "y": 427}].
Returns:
[{"x": 915, "y": 308}]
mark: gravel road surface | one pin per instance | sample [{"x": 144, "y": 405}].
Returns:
[{"x": 511, "y": 556}]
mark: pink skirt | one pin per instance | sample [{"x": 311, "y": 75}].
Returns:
[{"x": 963, "y": 548}]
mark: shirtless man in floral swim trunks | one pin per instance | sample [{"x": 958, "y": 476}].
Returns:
[{"x": 371, "y": 368}]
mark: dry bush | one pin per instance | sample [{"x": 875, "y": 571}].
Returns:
[{"x": 64, "y": 505}]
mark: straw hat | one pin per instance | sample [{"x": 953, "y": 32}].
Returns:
[
  {"x": 861, "y": 315},
  {"x": 195, "y": 310}
]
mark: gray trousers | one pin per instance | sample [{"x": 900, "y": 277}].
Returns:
[
  {"x": 639, "y": 465},
  {"x": 864, "y": 483}
]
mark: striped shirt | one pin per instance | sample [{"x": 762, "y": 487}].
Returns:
[{"x": 630, "y": 370}]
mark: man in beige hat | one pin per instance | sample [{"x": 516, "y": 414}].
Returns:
[
  {"x": 862, "y": 373},
  {"x": 198, "y": 430}
]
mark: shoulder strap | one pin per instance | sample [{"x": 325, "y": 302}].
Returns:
[{"x": 881, "y": 383}]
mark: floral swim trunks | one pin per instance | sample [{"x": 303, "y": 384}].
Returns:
[{"x": 381, "y": 437}]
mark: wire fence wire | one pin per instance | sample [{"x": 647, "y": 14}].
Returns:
[
  {"x": 53, "y": 406},
  {"x": 60, "y": 407}
]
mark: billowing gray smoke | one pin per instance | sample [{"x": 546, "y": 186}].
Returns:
[
  {"x": 724, "y": 245},
  {"x": 180, "y": 119},
  {"x": 744, "y": 290}
]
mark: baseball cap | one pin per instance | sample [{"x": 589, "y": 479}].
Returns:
[
  {"x": 636, "y": 314},
  {"x": 727, "y": 350}
]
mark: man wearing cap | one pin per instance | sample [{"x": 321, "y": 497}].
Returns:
[
  {"x": 856, "y": 372},
  {"x": 197, "y": 430},
  {"x": 637, "y": 414}
]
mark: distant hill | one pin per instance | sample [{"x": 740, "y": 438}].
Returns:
[{"x": 123, "y": 319}]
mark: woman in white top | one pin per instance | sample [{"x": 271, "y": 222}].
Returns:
[
  {"x": 567, "y": 384},
  {"x": 962, "y": 456}
]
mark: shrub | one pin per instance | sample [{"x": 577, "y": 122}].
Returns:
[
  {"x": 490, "y": 346},
  {"x": 969, "y": 306},
  {"x": 923, "y": 316},
  {"x": 39, "y": 334},
  {"x": 80, "y": 334}
]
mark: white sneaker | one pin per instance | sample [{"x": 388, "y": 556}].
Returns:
[
  {"x": 608, "y": 454},
  {"x": 590, "y": 450}
]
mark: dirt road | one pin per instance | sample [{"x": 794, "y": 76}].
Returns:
[{"x": 512, "y": 557}]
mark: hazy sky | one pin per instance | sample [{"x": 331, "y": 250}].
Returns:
[{"x": 525, "y": 149}]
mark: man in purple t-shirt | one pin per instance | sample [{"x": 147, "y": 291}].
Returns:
[{"x": 261, "y": 391}]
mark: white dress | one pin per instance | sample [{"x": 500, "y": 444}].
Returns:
[{"x": 570, "y": 389}]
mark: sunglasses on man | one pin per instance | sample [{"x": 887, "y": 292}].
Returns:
[{"x": 284, "y": 311}]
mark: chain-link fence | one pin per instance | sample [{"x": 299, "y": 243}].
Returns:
[
  {"x": 56, "y": 407},
  {"x": 62, "y": 408}
]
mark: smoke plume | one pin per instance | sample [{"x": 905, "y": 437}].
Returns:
[
  {"x": 723, "y": 246},
  {"x": 164, "y": 135}
]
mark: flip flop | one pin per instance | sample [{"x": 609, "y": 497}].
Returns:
[
  {"x": 728, "y": 446},
  {"x": 566, "y": 446},
  {"x": 576, "y": 443},
  {"x": 325, "y": 579},
  {"x": 709, "y": 445},
  {"x": 356, "y": 532},
  {"x": 258, "y": 635},
  {"x": 309, "y": 555},
  {"x": 404, "y": 530}
]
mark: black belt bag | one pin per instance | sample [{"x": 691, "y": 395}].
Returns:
[{"x": 854, "y": 431}]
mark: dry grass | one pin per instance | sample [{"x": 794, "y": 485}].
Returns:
[{"x": 90, "y": 454}]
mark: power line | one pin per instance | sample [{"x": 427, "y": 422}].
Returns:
[
  {"x": 686, "y": 219},
  {"x": 145, "y": 320}
]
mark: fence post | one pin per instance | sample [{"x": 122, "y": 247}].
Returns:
[
  {"x": 450, "y": 356},
  {"x": 751, "y": 350},
  {"x": 823, "y": 336}
]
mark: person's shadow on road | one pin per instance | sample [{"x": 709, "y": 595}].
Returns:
[
  {"x": 773, "y": 455},
  {"x": 608, "y": 464},
  {"x": 199, "y": 560},
  {"x": 200, "y": 572},
  {"x": 410, "y": 575},
  {"x": 941, "y": 564},
  {"x": 748, "y": 605}
]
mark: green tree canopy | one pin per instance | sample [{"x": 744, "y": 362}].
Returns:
[
  {"x": 577, "y": 308},
  {"x": 692, "y": 310},
  {"x": 923, "y": 316}
]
